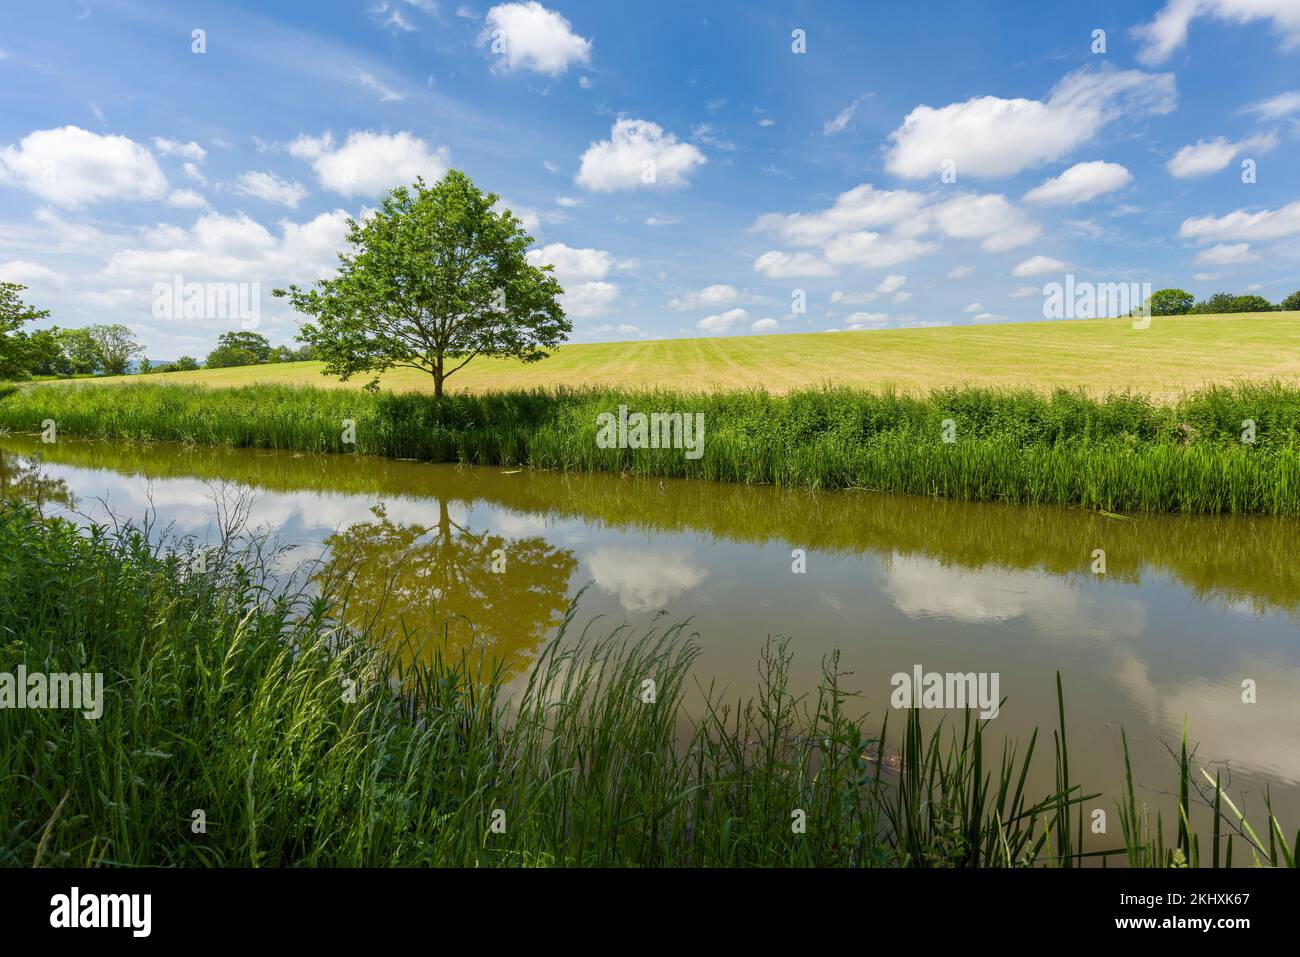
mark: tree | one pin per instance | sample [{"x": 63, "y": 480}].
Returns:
[
  {"x": 239, "y": 349},
  {"x": 185, "y": 364},
  {"x": 1171, "y": 302},
  {"x": 16, "y": 348},
  {"x": 116, "y": 345},
  {"x": 1220, "y": 302},
  {"x": 433, "y": 278},
  {"x": 1291, "y": 303},
  {"x": 1250, "y": 304},
  {"x": 80, "y": 351}
]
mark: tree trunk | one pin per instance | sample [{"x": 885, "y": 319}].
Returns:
[{"x": 437, "y": 378}]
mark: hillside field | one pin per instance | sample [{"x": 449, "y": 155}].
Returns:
[{"x": 1174, "y": 354}]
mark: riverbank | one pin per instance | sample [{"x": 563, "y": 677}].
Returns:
[
  {"x": 1220, "y": 450},
  {"x": 239, "y": 724}
]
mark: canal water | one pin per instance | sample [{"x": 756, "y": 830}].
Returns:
[{"x": 1190, "y": 618}]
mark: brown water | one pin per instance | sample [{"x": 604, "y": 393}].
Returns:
[{"x": 1188, "y": 608}]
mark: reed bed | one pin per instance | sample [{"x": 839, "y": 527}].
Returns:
[
  {"x": 1121, "y": 453},
  {"x": 237, "y": 695}
]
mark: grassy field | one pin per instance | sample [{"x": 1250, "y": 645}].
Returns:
[
  {"x": 228, "y": 696},
  {"x": 1173, "y": 355}
]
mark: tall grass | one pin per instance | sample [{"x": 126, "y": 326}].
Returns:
[
  {"x": 1121, "y": 453},
  {"x": 301, "y": 744}
]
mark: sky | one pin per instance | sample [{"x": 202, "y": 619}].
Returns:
[{"x": 689, "y": 169}]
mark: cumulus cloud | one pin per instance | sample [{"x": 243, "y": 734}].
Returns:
[
  {"x": 763, "y": 325},
  {"x": 271, "y": 188},
  {"x": 961, "y": 272},
  {"x": 992, "y": 136},
  {"x": 71, "y": 167},
  {"x": 1038, "y": 266},
  {"x": 909, "y": 216},
  {"x": 186, "y": 199},
  {"x": 581, "y": 272},
  {"x": 779, "y": 265},
  {"x": 1225, "y": 254},
  {"x": 637, "y": 154},
  {"x": 1080, "y": 183},
  {"x": 370, "y": 163},
  {"x": 710, "y": 297},
  {"x": 1241, "y": 225},
  {"x": 528, "y": 36},
  {"x": 991, "y": 218},
  {"x": 725, "y": 321},
  {"x": 190, "y": 151},
  {"x": 573, "y": 265},
  {"x": 589, "y": 298},
  {"x": 1167, "y": 31},
  {"x": 1210, "y": 156}
]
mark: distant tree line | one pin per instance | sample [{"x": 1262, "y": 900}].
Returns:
[
  {"x": 108, "y": 349},
  {"x": 1180, "y": 302}
]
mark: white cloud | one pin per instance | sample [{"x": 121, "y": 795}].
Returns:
[
  {"x": 190, "y": 151},
  {"x": 269, "y": 187},
  {"x": 762, "y": 325},
  {"x": 637, "y": 154},
  {"x": 842, "y": 119},
  {"x": 573, "y": 265},
  {"x": 974, "y": 307},
  {"x": 1038, "y": 266},
  {"x": 194, "y": 173},
  {"x": 723, "y": 322},
  {"x": 1239, "y": 224},
  {"x": 386, "y": 95},
  {"x": 1168, "y": 30},
  {"x": 1080, "y": 183},
  {"x": 990, "y": 217},
  {"x": 961, "y": 272},
  {"x": 369, "y": 163},
  {"x": 1275, "y": 107},
  {"x": 862, "y": 321},
  {"x": 991, "y": 136},
  {"x": 780, "y": 265},
  {"x": 1024, "y": 292},
  {"x": 1225, "y": 254},
  {"x": 567, "y": 201},
  {"x": 589, "y": 298},
  {"x": 710, "y": 297},
  {"x": 989, "y": 317},
  {"x": 853, "y": 298},
  {"x": 862, "y": 207},
  {"x": 186, "y": 199},
  {"x": 70, "y": 167},
  {"x": 527, "y": 36},
  {"x": 891, "y": 283},
  {"x": 1205, "y": 157},
  {"x": 30, "y": 274}
]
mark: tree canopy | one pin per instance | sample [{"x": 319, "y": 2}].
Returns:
[{"x": 435, "y": 277}]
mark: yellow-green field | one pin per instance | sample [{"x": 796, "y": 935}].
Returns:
[{"x": 1173, "y": 355}]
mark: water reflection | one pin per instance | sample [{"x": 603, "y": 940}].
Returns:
[{"x": 446, "y": 588}]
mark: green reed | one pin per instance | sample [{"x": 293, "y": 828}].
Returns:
[
  {"x": 1120, "y": 453},
  {"x": 238, "y": 694}
]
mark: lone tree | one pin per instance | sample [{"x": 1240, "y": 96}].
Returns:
[{"x": 434, "y": 278}]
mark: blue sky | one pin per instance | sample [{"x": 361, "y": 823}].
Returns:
[{"x": 917, "y": 164}]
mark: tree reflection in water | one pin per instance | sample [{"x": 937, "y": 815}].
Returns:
[{"x": 425, "y": 590}]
